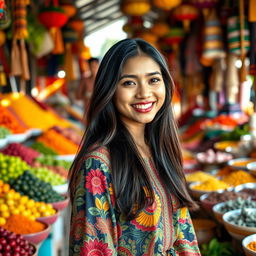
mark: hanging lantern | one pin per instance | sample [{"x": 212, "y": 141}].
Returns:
[
  {"x": 135, "y": 7},
  {"x": 69, "y": 35},
  {"x": 213, "y": 47},
  {"x": 77, "y": 25},
  {"x": 166, "y": 4},
  {"x": 160, "y": 29},
  {"x": 234, "y": 43},
  {"x": 185, "y": 13},
  {"x": 54, "y": 17},
  {"x": 148, "y": 36},
  {"x": 134, "y": 24},
  {"x": 69, "y": 9},
  {"x": 204, "y": 5},
  {"x": 174, "y": 37}
]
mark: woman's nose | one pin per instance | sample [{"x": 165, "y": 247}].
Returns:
[{"x": 143, "y": 91}]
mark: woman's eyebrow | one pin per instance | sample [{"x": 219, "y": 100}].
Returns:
[{"x": 134, "y": 76}]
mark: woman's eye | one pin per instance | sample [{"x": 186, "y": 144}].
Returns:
[
  {"x": 128, "y": 83},
  {"x": 155, "y": 80}
]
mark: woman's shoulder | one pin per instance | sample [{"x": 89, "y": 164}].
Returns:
[{"x": 99, "y": 154}]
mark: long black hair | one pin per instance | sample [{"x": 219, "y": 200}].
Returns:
[{"x": 105, "y": 128}]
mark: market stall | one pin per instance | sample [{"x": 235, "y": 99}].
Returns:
[{"x": 210, "y": 49}]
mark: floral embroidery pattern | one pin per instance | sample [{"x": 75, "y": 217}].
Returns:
[
  {"x": 95, "y": 248},
  {"x": 96, "y": 182},
  {"x": 148, "y": 218},
  {"x": 98, "y": 229}
]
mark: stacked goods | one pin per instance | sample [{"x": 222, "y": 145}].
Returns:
[
  {"x": 58, "y": 143},
  {"x": 245, "y": 218},
  {"x": 36, "y": 189},
  {"x": 40, "y": 147},
  {"x": 25, "y": 153},
  {"x": 4, "y": 187},
  {"x": 33, "y": 115},
  {"x": 237, "y": 204},
  {"x": 60, "y": 167},
  {"x": 23, "y": 225},
  {"x": 4, "y": 132},
  {"x": 221, "y": 122},
  {"x": 210, "y": 157},
  {"x": 198, "y": 176},
  {"x": 69, "y": 133},
  {"x": 215, "y": 197},
  {"x": 13, "y": 244},
  {"x": 8, "y": 120},
  {"x": 211, "y": 185},
  {"x": 14, "y": 203},
  {"x": 252, "y": 246},
  {"x": 47, "y": 175},
  {"x": 11, "y": 167},
  {"x": 238, "y": 177}
]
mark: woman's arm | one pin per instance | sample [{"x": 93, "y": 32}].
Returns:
[
  {"x": 93, "y": 221},
  {"x": 186, "y": 242}
]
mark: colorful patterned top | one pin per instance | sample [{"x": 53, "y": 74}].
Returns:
[{"x": 98, "y": 230}]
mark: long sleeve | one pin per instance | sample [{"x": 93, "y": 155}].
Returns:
[
  {"x": 93, "y": 222},
  {"x": 186, "y": 242}
]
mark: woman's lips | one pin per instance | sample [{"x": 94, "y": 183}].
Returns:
[{"x": 143, "y": 107}]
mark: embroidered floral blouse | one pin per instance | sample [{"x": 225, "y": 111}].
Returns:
[{"x": 97, "y": 229}]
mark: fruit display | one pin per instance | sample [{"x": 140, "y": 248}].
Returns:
[
  {"x": 4, "y": 187},
  {"x": 48, "y": 176},
  {"x": 13, "y": 244},
  {"x": 60, "y": 170},
  {"x": 11, "y": 167},
  {"x": 25, "y": 153},
  {"x": 40, "y": 147},
  {"x": 52, "y": 161},
  {"x": 36, "y": 189},
  {"x": 58, "y": 143},
  {"x": 14, "y": 203},
  {"x": 69, "y": 133},
  {"x": 8, "y": 120},
  {"x": 33, "y": 115},
  {"x": 4, "y": 132}
]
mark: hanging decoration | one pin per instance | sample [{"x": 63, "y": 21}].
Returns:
[
  {"x": 252, "y": 11},
  {"x": 134, "y": 24},
  {"x": 204, "y": 5},
  {"x": 135, "y": 7},
  {"x": 185, "y": 13},
  {"x": 19, "y": 58},
  {"x": 166, "y": 4},
  {"x": 149, "y": 37},
  {"x": 160, "y": 29},
  {"x": 174, "y": 37},
  {"x": 234, "y": 43},
  {"x": 69, "y": 36},
  {"x": 213, "y": 47},
  {"x": 2, "y": 59},
  {"x": 77, "y": 24},
  {"x": 53, "y": 17},
  {"x": 69, "y": 9}
]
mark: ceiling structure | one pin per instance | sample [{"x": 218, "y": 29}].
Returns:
[{"x": 99, "y": 13}]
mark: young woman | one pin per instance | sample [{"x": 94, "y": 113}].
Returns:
[{"x": 127, "y": 185}]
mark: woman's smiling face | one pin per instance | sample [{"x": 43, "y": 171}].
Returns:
[{"x": 140, "y": 91}]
